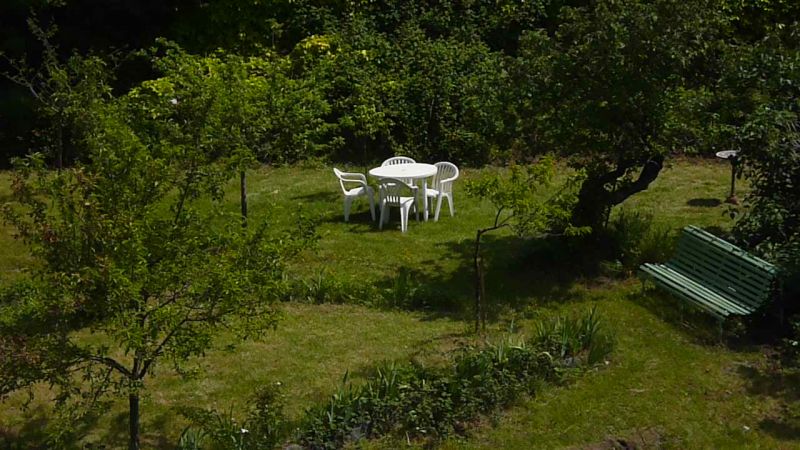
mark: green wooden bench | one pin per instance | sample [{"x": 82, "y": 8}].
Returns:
[{"x": 715, "y": 275}]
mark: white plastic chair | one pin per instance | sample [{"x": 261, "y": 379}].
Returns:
[
  {"x": 391, "y": 193},
  {"x": 351, "y": 194},
  {"x": 442, "y": 187},
  {"x": 397, "y": 160}
]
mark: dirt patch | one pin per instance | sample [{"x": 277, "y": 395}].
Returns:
[{"x": 648, "y": 438}]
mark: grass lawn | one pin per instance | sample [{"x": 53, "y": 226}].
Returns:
[{"x": 666, "y": 382}]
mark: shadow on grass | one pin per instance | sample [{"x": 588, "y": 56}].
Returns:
[
  {"x": 35, "y": 432},
  {"x": 39, "y": 427},
  {"x": 519, "y": 273},
  {"x": 740, "y": 334},
  {"x": 699, "y": 327},
  {"x": 32, "y": 434},
  {"x": 704, "y": 202},
  {"x": 783, "y": 385},
  {"x": 319, "y": 197},
  {"x": 153, "y": 433}
]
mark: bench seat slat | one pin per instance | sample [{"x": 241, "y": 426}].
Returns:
[
  {"x": 741, "y": 291},
  {"x": 693, "y": 290}
]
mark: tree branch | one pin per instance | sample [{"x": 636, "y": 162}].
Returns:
[
  {"x": 109, "y": 362},
  {"x": 648, "y": 174}
]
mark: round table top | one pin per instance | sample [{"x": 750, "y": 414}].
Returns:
[
  {"x": 415, "y": 170},
  {"x": 726, "y": 154}
]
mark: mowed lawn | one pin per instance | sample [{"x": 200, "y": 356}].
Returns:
[{"x": 666, "y": 383}]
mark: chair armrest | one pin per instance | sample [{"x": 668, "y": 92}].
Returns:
[
  {"x": 449, "y": 180},
  {"x": 358, "y": 176}
]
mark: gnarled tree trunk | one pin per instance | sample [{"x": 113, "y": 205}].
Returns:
[{"x": 599, "y": 193}]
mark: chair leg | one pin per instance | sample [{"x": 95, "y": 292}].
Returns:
[
  {"x": 383, "y": 214},
  {"x": 371, "y": 199},
  {"x": 438, "y": 208},
  {"x": 450, "y": 203},
  {"x": 347, "y": 203},
  {"x": 403, "y": 219},
  {"x": 416, "y": 210}
]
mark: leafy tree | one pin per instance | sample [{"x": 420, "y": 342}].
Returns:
[
  {"x": 61, "y": 92},
  {"x": 354, "y": 71},
  {"x": 524, "y": 200},
  {"x": 230, "y": 109},
  {"x": 601, "y": 88},
  {"x": 133, "y": 272},
  {"x": 760, "y": 114}
]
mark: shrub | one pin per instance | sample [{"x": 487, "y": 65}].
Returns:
[
  {"x": 264, "y": 427},
  {"x": 635, "y": 239}
]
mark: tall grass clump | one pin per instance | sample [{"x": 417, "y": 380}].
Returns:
[
  {"x": 401, "y": 291},
  {"x": 264, "y": 427},
  {"x": 575, "y": 341}
]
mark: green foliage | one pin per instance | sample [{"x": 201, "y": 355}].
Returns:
[
  {"x": 63, "y": 94},
  {"x": 451, "y": 105},
  {"x": 263, "y": 428},
  {"x": 429, "y": 404},
  {"x": 225, "y": 105},
  {"x": 430, "y": 98},
  {"x": 600, "y": 90},
  {"x": 125, "y": 255},
  {"x": 763, "y": 125},
  {"x": 518, "y": 204},
  {"x": 575, "y": 340},
  {"x": 521, "y": 201},
  {"x": 633, "y": 239}
]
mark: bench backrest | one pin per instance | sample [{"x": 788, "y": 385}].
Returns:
[{"x": 724, "y": 267}]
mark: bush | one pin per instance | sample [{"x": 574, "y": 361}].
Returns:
[
  {"x": 263, "y": 429},
  {"x": 635, "y": 239}
]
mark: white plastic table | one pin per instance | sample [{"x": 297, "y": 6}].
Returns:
[{"x": 413, "y": 171}]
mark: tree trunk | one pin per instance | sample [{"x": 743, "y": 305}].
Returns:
[
  {"x": 480, "y": 286},
  {"x": 478, "y": 280},
  {"x": 593, "y": 204},
  {"x": 243, "y": 192},
  {"x": 595, "y": 200},
  {"x": 133, "y": 421},
  {"x": 60, "y": 150}
]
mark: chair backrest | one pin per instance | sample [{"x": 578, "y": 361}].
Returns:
[
  {"x": 724, "y": 267},
  {"x": 392, "y": 190},
  {"x": 444, "y": 171},
  {"x": 342, "y": 176},
  {"x": 397, "y": 160}
]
